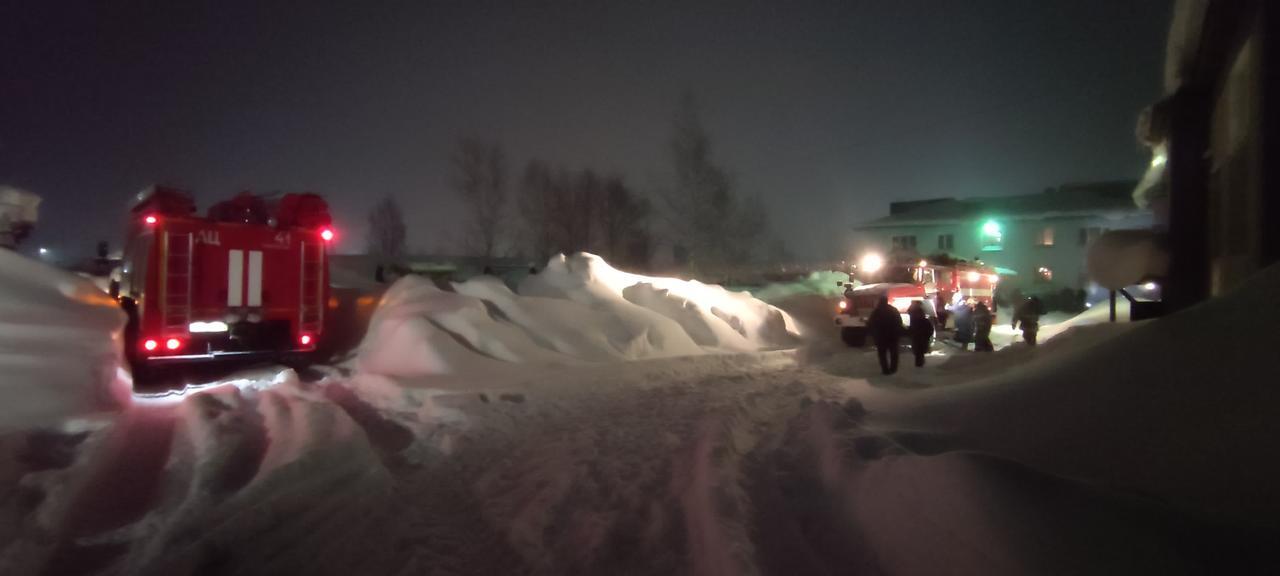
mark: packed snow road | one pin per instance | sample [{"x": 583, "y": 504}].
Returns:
[{"x": 598, "y": 422}]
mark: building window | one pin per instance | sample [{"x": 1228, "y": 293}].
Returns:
[
  {"x": 992, "y": 236},
  {"x": 1046, "y": 236},
  {"x": 1044, "y": 275},
  {"x": 1089, "y": 234},
  {"x": 904, "y": 242},
  {"x": 946, "y": 242}
]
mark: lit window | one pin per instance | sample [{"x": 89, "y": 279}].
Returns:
[
  {"x": 1044, "y": 274},
  {"x": 1046, "y": 236}
]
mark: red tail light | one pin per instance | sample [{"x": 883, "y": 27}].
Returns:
[
  {"x": 305, "y": 339},
  {"x": 172, "y": 344},
  {"x": 150, "y": 345},
  {"x": 327, "y": 234}
]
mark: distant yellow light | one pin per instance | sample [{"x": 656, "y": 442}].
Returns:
[
  {"x": 843, "y": 304},
  {"x": 1159, "y": 159}
]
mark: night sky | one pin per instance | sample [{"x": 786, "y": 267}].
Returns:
[{"x": 826, "y": 110}]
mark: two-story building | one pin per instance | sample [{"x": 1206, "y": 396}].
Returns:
[{"x": 1040, "y": 240}]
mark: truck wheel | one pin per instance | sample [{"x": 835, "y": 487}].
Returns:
[
  {"x": 137, "y": 366},
  {"x": 854, "y": 337}
]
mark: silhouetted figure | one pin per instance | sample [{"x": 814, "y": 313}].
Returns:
[
  {"x": 1028, "y": 315},
  {"x": 921, "y": 331},
  {"x": 982, "y": 328},
  {"x": 885, "y": 325},
  {"x": 964, "y": 324}
]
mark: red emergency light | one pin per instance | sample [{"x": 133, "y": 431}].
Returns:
[
  {"x": 150, "y": 344},
  {"x": 305, "y": 339},
  {"x": 151, "y": 219},
  {"x": 172, "y": 344},
  {"x": 327, "y": 234}
]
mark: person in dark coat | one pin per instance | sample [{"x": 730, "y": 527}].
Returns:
[
  {"x": 1029, "y": 316},
  {"x": 921, "y": 331},
  {"x": 885, "y": 325},
  {"x": 982, "y": 320},
  {"x": 964, "y": 324}
]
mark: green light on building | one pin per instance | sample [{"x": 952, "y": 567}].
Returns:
[{"x": 992, "y": 237}]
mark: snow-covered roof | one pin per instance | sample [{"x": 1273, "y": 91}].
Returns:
[{"x": 1100, "y": 198}]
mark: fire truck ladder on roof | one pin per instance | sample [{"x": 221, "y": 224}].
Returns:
[
  {"x": 178, "y": 258},
  {"x": 311, "y": 309}
]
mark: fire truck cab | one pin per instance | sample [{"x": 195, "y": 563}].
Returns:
[{"x": 250, "y": 277}]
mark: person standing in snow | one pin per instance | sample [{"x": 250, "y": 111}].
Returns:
[
  {"x": 964, "y": 324},
  {"x": 1029, "y": 315},
  {"x": 921, "y": 331},
  {"x": 885, "y": 325},
  {"x": 982, "y": 328}
]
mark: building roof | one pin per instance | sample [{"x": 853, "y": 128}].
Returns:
[{"x": 1067, "y": 200}]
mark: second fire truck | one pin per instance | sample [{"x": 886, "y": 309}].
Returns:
[{"x": 938, "y": 286}]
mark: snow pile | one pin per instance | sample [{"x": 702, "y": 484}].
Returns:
[
  {"x": 588, "y": 279},
  {"x": 578, "y": 309},
  {"x": 419, "y": 329},
  {"x": 821, "y": 283},
  {"x": 59, "y": 345},
  {"x": 561, "y": 325}
]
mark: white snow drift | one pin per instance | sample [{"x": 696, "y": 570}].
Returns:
[
  {"x": 59, "y": 344},
  {"x": 578, "y": 309}
]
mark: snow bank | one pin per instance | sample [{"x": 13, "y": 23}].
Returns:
[
  {"x": 59, "y": 345},
  {"x": 821, "y": 283},
  {"x": 1181, "y": 408}
]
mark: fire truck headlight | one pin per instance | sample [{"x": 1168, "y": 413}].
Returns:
[
  {"x": 871, "y": 262},
  {"x": 843, "y": 304},
  {"x": 327, "y": 234},
  {"x": 974, "y": 276}
]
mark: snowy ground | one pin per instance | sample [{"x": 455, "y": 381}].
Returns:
[{"x": 603, "y": 423}]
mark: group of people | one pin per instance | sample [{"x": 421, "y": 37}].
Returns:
[
  {"x": 885, "y": 326},
  {"x": 973, "y": 321}
]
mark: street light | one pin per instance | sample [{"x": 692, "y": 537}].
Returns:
[{"x": 44, "y": 251}]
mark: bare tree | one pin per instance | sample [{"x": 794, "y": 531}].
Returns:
[
  {"x": 700, "y": 205},
  {"x": 537, "y": 209},
  {"x": 624, "y": 223},
  {"x": 480, "y": 181},
  {"x": 386, "y": 228},
  {"x": 710, "y": 224}
]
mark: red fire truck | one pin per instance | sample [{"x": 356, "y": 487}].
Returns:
[{"x": 250, "y": 277}]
